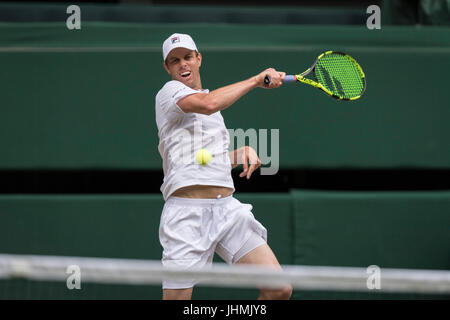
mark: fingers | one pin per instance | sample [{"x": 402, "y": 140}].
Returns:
[
  {"x": 252, "y": 168},
  {"x": 276, "y": 78},
  {"x": 251, "y": 157},
  {"x": 245, "y": 157}
]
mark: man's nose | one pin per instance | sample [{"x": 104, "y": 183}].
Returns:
[{"x": 183, "y": 63}]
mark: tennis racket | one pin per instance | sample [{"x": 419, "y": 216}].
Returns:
[{"x": 335, "y": 73}]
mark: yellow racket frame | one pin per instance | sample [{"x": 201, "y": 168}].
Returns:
[{"x": 301, "y": 77}]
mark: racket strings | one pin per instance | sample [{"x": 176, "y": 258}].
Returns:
[{"x": 340, "y": 75}]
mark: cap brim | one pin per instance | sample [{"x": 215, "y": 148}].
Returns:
[{"x": 180, "y": 45}]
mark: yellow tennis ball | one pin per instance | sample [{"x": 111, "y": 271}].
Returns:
[{"x": 202, "y": 156}]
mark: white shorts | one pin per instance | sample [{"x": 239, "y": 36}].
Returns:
[{"x": 191, "y": 230}]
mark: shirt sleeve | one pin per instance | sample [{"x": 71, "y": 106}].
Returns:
[{"x": 170, "y": 94}]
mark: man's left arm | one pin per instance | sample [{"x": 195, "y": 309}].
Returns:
[{"x": 245, "y": 155}]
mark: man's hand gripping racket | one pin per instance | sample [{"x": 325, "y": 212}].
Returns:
[{"x": 335, "y": 73}]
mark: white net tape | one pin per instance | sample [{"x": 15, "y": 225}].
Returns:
[{"x": 147, "y": 272}]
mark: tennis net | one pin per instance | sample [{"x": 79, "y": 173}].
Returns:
[{"x": 65, "y": 270}]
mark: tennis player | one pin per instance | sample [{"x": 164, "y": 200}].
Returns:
[{"x": 200, "y": 214}]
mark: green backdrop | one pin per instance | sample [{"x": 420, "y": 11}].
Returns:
[{"x": 85, "y": 99}]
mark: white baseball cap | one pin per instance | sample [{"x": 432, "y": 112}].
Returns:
[{"x": 178, "y": 40}]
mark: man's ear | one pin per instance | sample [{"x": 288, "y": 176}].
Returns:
[
  {"x": 165, "y": 67},
  {"x": 199, "y": 56}
]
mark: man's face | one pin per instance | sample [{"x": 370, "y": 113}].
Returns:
[{"x": 184, "y": 65}]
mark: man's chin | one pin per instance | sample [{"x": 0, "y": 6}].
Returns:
[{"x": 188, "y": 82}]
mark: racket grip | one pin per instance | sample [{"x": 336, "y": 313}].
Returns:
[{"x": 289, "y": 78}]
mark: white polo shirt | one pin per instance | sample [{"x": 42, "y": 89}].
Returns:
[{"x": 182, "y": 134}]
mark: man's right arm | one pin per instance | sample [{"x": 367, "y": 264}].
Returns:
[{"x": 222, "y": 98}]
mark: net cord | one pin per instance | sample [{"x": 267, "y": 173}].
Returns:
[{"x": 148, "y": 272}]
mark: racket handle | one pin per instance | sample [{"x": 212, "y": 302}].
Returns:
[{"x": 287, "y": 79}]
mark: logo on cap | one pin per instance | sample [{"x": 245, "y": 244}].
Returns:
[{"x": 175, "y": 39}]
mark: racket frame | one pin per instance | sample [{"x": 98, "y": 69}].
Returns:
[{"x": 302, "y": 76}]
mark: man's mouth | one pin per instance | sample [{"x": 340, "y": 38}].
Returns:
[{"x": 185, "y": 74}]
